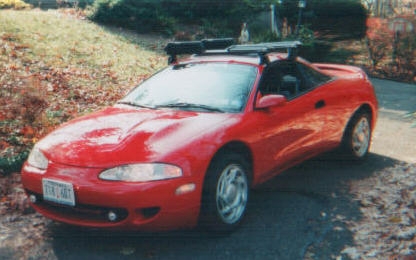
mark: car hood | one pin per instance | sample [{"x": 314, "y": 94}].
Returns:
[{"x": 121, "y": 135}]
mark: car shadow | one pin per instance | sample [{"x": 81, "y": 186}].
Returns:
[{"x": 300, "y": 212}]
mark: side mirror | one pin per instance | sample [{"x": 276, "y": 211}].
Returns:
[{"x": 271, "y": 101}]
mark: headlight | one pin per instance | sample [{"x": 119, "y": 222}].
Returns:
[
  {"x": 37, "y": 159},
  {"x": 141, "y": 172}
]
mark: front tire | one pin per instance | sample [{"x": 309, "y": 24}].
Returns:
[
  {"x": 225, "y": 193},
  {"x": 357, "y": 137}
]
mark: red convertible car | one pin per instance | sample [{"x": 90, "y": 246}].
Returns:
[{"x": 184, "y": 147}]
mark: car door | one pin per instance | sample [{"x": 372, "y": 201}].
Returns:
[
  {"x": 329, "y": 105},
  {"x": 290, "y": 133}
]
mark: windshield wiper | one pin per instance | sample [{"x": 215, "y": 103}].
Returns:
[
  {"x": 134, "y": 104},
  {"x": 192, "y": 106}
]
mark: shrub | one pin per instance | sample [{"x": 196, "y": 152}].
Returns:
[
  {"x": 378, "y": 40},
  {"x": 339, "y": 18},
  {"x": 14, "y": 4},
  {"x": 405, "y": 57},
  {"x": 141, "y": 16},
  {"x": 312, "y": 49},
  {"x": 12, "y": 163},
  {"x": 20, "y": 124},
  {"x": 345, "y": 18},
  {"x": 330, "y": 18},
  {"x": 215, "y": 29},
  {"x": 163, "y": 15},
  {"x": 264, "y": 36},
  {"x": 391, "y": 55}
]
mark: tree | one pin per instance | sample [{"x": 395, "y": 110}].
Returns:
[
  {"x": 387, "y": 8},
  {"x": 339, "y": 18}
]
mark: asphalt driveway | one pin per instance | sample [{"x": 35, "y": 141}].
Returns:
[
  {"x": 393, "y": 135},
  {"x": 301, "y": 214}
]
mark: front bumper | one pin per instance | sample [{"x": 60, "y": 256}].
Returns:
[{"x": 150, "y": 206}]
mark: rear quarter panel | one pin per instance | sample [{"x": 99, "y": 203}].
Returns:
[{"x": 349, "y": 90}]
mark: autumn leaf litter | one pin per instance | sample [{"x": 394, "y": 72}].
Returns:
[
  {"x": 55, "y": 66},
  {"x": 386, "y": 229},
  {"x": 388, "y": 206}
]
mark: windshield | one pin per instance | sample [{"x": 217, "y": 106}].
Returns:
[{"x": 216, "y": 87}]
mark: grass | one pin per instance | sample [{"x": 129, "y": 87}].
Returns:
[
  {"x": 55, "y": 65},
  {"x": 61, "y": 41}
]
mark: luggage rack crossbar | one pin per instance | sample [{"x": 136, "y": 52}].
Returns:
[{"x": 226, "y": 46}]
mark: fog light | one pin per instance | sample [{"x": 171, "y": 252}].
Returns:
[
  {"x": 33, "y": 198},
  {"x": 185, "y": 188},
  {"x": 112, "y": 216}
]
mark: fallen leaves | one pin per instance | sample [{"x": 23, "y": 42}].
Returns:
[
  {"x": 13, "y": 198},
  {"x": 387, "y": 229},
  {"x": 55, "y": 67}
]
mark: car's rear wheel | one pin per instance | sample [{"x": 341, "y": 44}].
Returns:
[
  {"x": 357, "y": 137},
  {"x": 225, "y": 193}
]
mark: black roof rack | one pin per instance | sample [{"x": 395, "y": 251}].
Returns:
[
  {"x": 225, "y": 46},
  {"x": 196, "y": 47},
  {"x": 262, "y": 49}
]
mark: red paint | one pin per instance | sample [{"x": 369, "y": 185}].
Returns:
[{"x": 279, "y": 134}]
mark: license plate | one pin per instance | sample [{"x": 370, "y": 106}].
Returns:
[{"x": 58, "y": 191}]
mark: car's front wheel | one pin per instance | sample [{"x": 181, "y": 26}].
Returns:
[
  {"x": 225, "y": 193},
  {"x": 357, "y": 137}
]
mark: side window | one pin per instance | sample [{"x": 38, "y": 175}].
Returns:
[
  {"x": 281, "y": 78},
  {"x": 271, "y": 81},
  {"x": 291, "y": 80},
  {"x": 313, "y": 78}
]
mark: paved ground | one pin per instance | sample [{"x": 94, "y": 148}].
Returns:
[
  {"x": 302, "y": 214},
  {"x": 296, "y": 215},
  {"x": 299, "y": 214},
  {"x": 393, "y": 135}
]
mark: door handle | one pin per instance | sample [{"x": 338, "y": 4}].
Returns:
[{"x": 320, "y": 104}]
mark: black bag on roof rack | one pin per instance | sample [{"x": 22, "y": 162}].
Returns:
[{"x": 196, "y": 47}]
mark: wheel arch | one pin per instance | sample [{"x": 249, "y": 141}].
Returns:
[
  {"x": 238, "y": 148},
  {"x": 365, "y": 108},
  {"x": 209, "y": 217}
]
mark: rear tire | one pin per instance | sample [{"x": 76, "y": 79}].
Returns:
[
  {"x": 357, "y": 137},
  {"x": 225, "y": 194}
]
